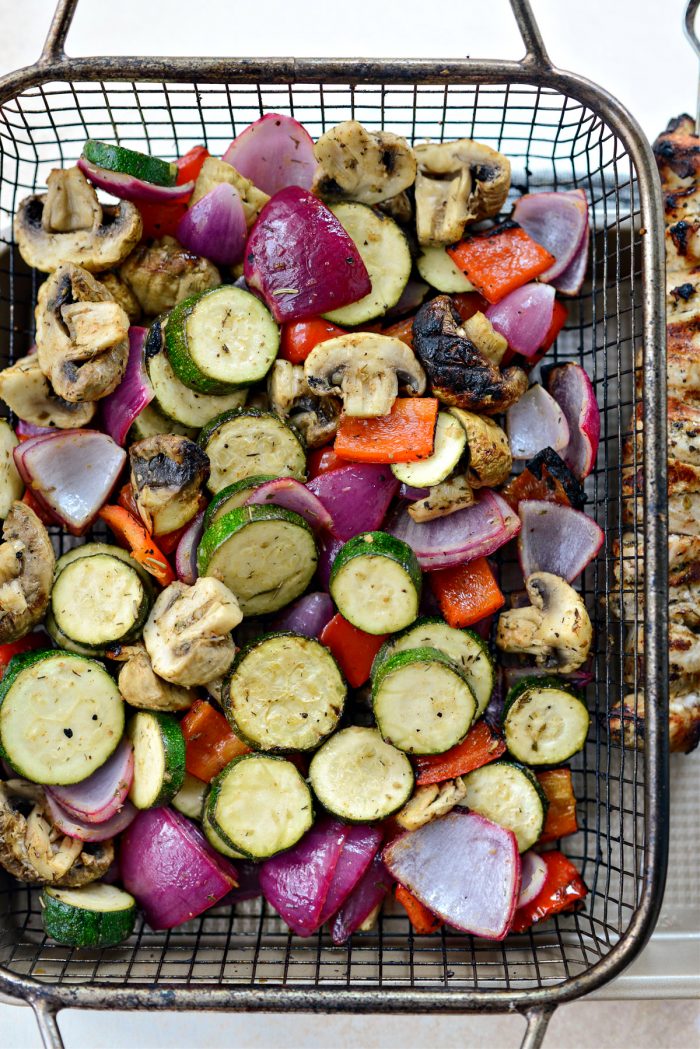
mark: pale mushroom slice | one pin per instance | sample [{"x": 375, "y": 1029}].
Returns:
[
  {"x": 122, "y": 293},
  {"x": 142, "y": 688},
  {"x": 430, "y": 803},
  {"x": 365, "y": 369},
  {"x": 360, "y": 165},
  {"x": 555, "y": 627},
  {"x": 82, "y": 335},
  {"x": 457, "y": 183},
  {"x": 68, "y": 224},
  {"x": 27, "y": 564},
  {"x": 452, "y": 494},
  {"x": 317, "y": 418},
  {"x": 161, "y": 273},
  {"x": 27, "y": 391}
]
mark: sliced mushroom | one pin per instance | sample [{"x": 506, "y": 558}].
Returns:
[
  {"x": 142, "y": 688},
  {"x": 490, "y": 458},
  {"x": 431, "y": 802},
  {"x": 167, "y": 473},
  {"x": 214, "y": 172},
  {"x": 188, "y": 633},
  {"x": 458, "y": 373},
  {"x": 27, "y": 391},
  {"x": 68, "y": 224},
  {"x": 489, "y": 342},
  {"x": 122, "y": 293},
  {"x": 452, "y": 494},
  {"x": 26, "y": 572},
  {"x": 399, "y": 208},
  {"x": 82, "y": 335},
  {"x": 457, "y": 182},
  {"x": 290, "y": 397},
  {"x": 162, "y": 273},
  {"x": 362, "y": 165},
  {"x": 366, "y": 370},
  {"x": 555, "y": 627},
  {"x": 33, "y": 849}
]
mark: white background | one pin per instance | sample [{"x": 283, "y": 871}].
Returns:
[{"x": 637, "y": 50}]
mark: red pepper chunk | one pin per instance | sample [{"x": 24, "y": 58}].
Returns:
[
  {"x": 190, "y": 164},
  {"x": 209, "y": 742},
  {"x": 563, "y": 887},
  {"x": 561, "y": 810},
  {"x": 421, "y": 918},
  {"x": 500, "y": 260},
  {"x": 481, "y": 745},
  {"x": 299, "y": 338},
  {"x": 353, "y": 649},
  {"x": 161, "y": 220},
  {"x": 28, "y": 643}
]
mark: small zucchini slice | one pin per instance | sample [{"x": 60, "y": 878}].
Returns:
[
  {"x": 159, "y": 758},
  {"x": 284, "y": 692},
  {"x": 265, "y": 555},
  {"x": 247, "y": 442},
  {"x": 189, "y": 800},
  {"x": 376, "y": 583},
  {"x": 450, "y": 446},
  {"x": 545, "y": 721},
  {"x": 91, "y": 549},
  {"x": 465, "y": 647},
  {"x": 260, "y": 805},
  {"x": 130, "y": 162},
  {"x": 384, "y": 251},
  {"x": 360, "y": 778},
  {"x": 438, "y": 269},
  {"x": 61, "y": 716},
  {"x": 99, "y": 600},
  {"x": 221, "y": 340},
  {"x": 95, "y": 915},
  {"x": 216, "y": 841},
  {"x": 510, "y": 796},
  {"x": 232, "y": 497},
  {"x": 423, "y": 702},
  {"x": 150, "y": 421}
]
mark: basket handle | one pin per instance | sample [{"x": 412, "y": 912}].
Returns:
[
  {"x": 536, "y": 56},
  {"x": 689, "y": 24},
  {"x": 45, "y": 1013}
]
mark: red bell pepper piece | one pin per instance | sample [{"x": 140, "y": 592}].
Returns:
[
  {"x": 143, "y": 549},
  {"x": 299, "y": 338},
  {"x": 405, "y": 435},
  {"x": 28, "y": 643},
  {"x": 421, "y": 918},
  {"x": 161, "y": 220},
  {"x": 354, "y": 649},
  {"x": 209, "y": 742},
  {"x": 190, "y": 164},
  {"x": 562, "y": 889},
  {"x": 323, "y": 460},
  {"x": 467, "y": 593},
  {"x": 41, "y": 512},
  {"x": 467, "y": 303},
  {"x": 500, "y": 260},
  {"x": 402, "y": 330},
  {"x": 481, "y": 745},
  {"x": 561, "y": 813}
]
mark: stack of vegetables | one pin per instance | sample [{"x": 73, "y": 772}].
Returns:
[{"x": 308, "y": 370}]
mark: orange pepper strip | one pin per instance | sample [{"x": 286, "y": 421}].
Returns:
[
  {"x": 404, "y": 436},
  {"x": 209, "y": 742},
  {"x": 354, "y": 649},
  {"x": 140, "y": 542},
  {"x": 500, "y": 260},
  {"x": 561, "y": 814},
  {"x": 422, "y": 919},
  {"x": 481, "y": 745},
  {"x": 299, "y": 338},
  {"x": 467, "y": 593}
]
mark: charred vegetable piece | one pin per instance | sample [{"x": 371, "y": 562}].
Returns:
[
  {"x": 545, "y": 477},
  {"x": 167, "y": 474}
]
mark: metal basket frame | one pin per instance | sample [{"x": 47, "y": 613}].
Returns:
[{"x": 649, "y": 833}]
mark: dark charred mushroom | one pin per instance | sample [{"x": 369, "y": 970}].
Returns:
[
  {"x": 291, "y": 398},
  {"x": 162, "y": 273},
  {"x": 167, "y": 472},
  {"x": 27, "y": 391},
  {"x": 27, "y": 562},
  {"x": 458, "y": 373},
  {"x": 366, "y": 166}
]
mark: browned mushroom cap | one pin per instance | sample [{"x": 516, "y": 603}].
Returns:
[
  {"x": 291, "y": 398},
  {"x": 162, "y": 273},
  {"x": 27, "y": 391},
  {"x": 362, "y": 165},
  {"x": 167, "y": 472},
  {"x": 68, "y": 224},
  {"x": 27, "y": 562},
  {"x": 82, "y": 335},
  {"x": 458, "y": 373}
]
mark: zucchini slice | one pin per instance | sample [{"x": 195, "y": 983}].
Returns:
[
  {"x": 247, "y": 442},
  {"x": 465, "y": 647},
  {"x": 130, "y": 162},
  {"x": 216, "y": 841},
  {"x": 61, "y": 716},
  {"x": 385, "y": 253},
  {"x": 232, "y": 497},
  {"x": 376, "y": 583},
  {"x": 95, "y": 915},
  {"x": 91, "y": 549},
  {"x": 159, "y": 758},
  {"x": 441, "y": 272},
  {"x": 449, "y": 447},
  {"x": 61, "y": 641},
  {"x": 360, "y": 778},
  {"x": 174, "y": 399},
  {"x": 221, "y": 340},
  {"x": 284, "y": 692},
  {"x": 260, "y": 805},
  {"x": 510, "y": 796},
  {"x": 99, "y": 600},
  {"x": 265, "y": 555},
  {"x": 189, "y": 800},
  {"x": 545, "y": 721},
  {"x": 150, "y": 421},
  {"x": 423, "y": 702}
]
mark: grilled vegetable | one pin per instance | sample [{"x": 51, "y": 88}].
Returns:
[
  {"x": 130, "y": 162},
  {"x": 376, "y": 583},
  {"x": 96, "y": 915},
  {"x": 159, "y": 759},
  {"x": 353, "y": 649},
  {"x": 501, "y": 259},
  {"x": 481, "y": 745},
  {"x": 209, "y": 742},
  {"x": 556, "y": 539},
  {"x": 99, "y": 600},
  {"x": 562, "y": 890},
  {"x": 360, "y": 165},
  {"x": 28, "y": 393},
  {"x": 449, "y": 446},
  {"x": 26, "y": 571},
  {"x": 161, "y": 274},
  {"x": 574, "y": 393},
  {"x": 273, "y": 152},
  {"x": 545, "y": 721},
  {"x": 555, "y": 628},
  {"x": 167, "y": 473},
  {"x": 246, "y": 442},
  {"x": 357, "y": 496},
  {"x": 546, "y": 477},
  {"x": 360, "y": 778},
  {"x": 509, "y": 795}
]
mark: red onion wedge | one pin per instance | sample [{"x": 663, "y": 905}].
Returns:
[
  {"x": 368, "y": 894},
  {"x": 558, "y": 221},
  {"x": 126, "y": 187},
  {"x": 292, "y": 495},
  {"x": 573, "y": 391},
  {"x": 132, "y": 395},
  {"x": 274, "y": 152},
  {"x": 477, "y": 531},
  {"x": 73, "y": 827},
  {"x": 215, "y": 226},
  {"x": 524, "y": 317},
  {"x": 328, "y": 548},
  {"x": 25, "y": 429},
  {"x": 71, "y": 473},
  {"x": 571, "y": 280},
  {"x": 248, "y": 875},
  {"x": 300, "y": 258},
  {"x": 535, "y": 422},
  {"x": 465, "y": 868},
  {"x": 186, "y": 553},
  {"x": 356, "y": 496},
  {"x": 406, "y": 491},
  {"x": 534, "y": 875},
  {"x": 101, "y": 795},
  {"x": 171, "y": 869},
  {"x": 556, "y": 539},
  {"x": 359, "y": 849},
  {"x": 307, "y": 616}
]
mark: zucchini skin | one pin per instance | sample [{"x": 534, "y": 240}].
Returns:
[
  {"x": 379, "y": 544},
  {"x": 207, "y": 432},
  {"x": 246, "y": 485},
  {"x": 81, "y": 927},
  {"x": 229, "y": 524},
  {"x": 174, "y": 751},
  {"x": 130, "y": 162},
  {"x": 134, "y": 631},
  {"x": 529, "y": 776},
  {"x": 549, "y": 681}
]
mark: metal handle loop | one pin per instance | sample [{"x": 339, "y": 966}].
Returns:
[
  {"x": 535, "y": 51},
  {"x": 45, "y": 1013},
  {"x": 54, "y": 46},
  {"x": 537, "y": 1023},
  {"x": 689, "y": 26}
]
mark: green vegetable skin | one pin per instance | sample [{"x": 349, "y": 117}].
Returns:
[
  {"x": 130, "y": 162},
  {"x": 95, "y": 915}
]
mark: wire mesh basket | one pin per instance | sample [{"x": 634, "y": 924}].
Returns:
[{"x": 559, "y": 132}]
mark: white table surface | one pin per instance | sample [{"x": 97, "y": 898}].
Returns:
[{"x": 636, "y": 49}]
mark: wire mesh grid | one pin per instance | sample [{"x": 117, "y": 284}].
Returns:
[{"x": 553, "y": 142}]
